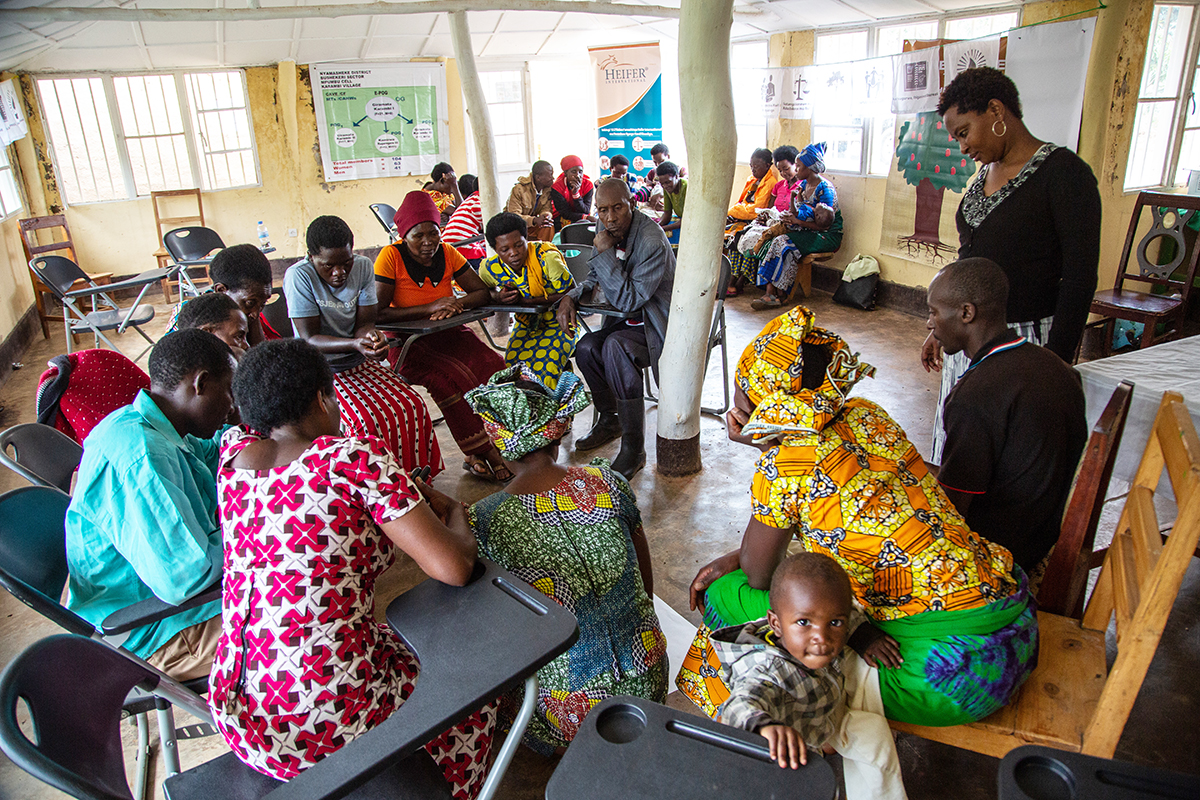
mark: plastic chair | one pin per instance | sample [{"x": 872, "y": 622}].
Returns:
[
  {"x": 577, "y": 257},
  {"x": 631, "y": 747},
  {"x": 578, "y": 233},
  {"x": 192, "y": 247},
  {"x": 41, "y": 455},
  {"x": 32, "y": 229},
  {"x": 1152, "y": 309},
  {"x": 276, "y": 315},
  {"x": 1033, "y": 771},
  {"x": 60, "y": 274},
  {"x": 33, "y": 569},
  {"x": 718, "y": 336},
  {"x": 385, "y": 214}
]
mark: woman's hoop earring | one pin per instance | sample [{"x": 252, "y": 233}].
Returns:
[{"x": 1003, "y": 128}]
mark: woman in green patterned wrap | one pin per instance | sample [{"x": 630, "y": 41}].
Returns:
[{"x": 574, "y": 533}]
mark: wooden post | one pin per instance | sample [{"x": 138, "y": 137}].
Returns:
[
  {"x": 706, "y": 92},
  {"x": 477, "y": 110}
]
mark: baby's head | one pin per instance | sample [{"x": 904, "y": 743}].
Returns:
[
  {"x": 810, "y": 608},
  {"x": 822, "y": 215}
]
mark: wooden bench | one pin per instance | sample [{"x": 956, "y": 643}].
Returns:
[
  {"x": 803, "y": 280},
  {"x": 1071, "y": 701}
]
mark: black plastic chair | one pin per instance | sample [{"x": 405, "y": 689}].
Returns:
[
  {"x": 42, "y": 455},
  {"x": 578, "y": 233},
  {"x": 192, "y": 247},
  {"x": 60, "y": 275},
  {"x": 33, "y": 569},
  {"x": 386, "y": 216},
  {"x": 630, "y": 747},
  {"x": 276, "y": 313},
  {"x": 1032, "y": 772}
]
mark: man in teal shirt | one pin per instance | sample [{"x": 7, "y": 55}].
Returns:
[{"x": 143, "y": 519}]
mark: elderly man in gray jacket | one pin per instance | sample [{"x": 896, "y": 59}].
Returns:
[{"x": 635, "y": 266}]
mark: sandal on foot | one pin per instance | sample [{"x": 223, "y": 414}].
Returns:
[
  {"x": 480, "y": 468},
  {"x": 765, "y": 302},
  {"x": 733, "y": 291}
]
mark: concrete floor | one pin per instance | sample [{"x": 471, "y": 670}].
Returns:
[{"x": 691, "y": 520}]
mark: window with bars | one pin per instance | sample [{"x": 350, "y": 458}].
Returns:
[
  {"x": 505, "y": 94},
  {"x": 865, "y": 145},
  {"x": 124, "y": 136},
  {"x": 10, "y": 195},
  {"x": 749, "y": 101},
  {"x": 1165, "y": 143}
]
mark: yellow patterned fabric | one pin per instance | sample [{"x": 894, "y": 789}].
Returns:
[{"x": 847, "y": 478}]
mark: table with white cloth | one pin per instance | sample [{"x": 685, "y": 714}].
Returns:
[{"x": 1170, "y": 366}]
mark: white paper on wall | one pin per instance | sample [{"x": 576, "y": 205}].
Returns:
[
  {"x": 960, "y": 56},
  {"x": 12, "y": 116},
  {"x": 772, "y": 91},
  {"x": 797, "y": 94},
  {"x": 1048, "y": 63},
  {"x": 916, "y": 82},
  {"x": 871, "y": 84}
]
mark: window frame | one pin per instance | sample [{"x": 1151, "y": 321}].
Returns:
[
  {"x": 1184, "y": 94},
  {"x": 766, "y": 120},
  {"x": 873, "y": 31},
  {"x": 8, "y": 153},
  {"x": 112, "y": 108},
  {"x": 526, "y": 111}
]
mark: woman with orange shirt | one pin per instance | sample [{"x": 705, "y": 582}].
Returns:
[{"x": 414, "y": 281}]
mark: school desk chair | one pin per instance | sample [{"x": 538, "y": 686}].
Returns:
[
  {"x": 1036, "y": 772},
  {"x": 42, "y": 455},
  {"x": 630, "y": 747}
]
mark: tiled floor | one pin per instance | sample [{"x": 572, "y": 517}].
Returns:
[{"x": 690, "y": 520}]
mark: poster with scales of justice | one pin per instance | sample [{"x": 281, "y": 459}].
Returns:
[{"x": 380, "y": 120}]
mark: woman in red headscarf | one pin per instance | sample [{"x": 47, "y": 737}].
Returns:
[
  {"x": 572, "y": 193},
  {"x": 414, "y": 281}
]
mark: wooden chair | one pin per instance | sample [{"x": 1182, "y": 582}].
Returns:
[
  {"x": 60, "y": 239},
  {"x": 803, "y": 280},
  {"x": 161, "y": 201},
  {"x": 1152, "y": 309},
  {"x": 1065, "y": 579},
  {"x": 1071, "y": 701}
]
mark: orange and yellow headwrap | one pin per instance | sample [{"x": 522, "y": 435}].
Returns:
[{"x": 771, "y": 372}]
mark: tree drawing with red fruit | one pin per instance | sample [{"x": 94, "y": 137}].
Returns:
[{"x": 931, "y": 161}]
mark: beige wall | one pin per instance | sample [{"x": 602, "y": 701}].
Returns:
[{"x": 1110, "y": 98}]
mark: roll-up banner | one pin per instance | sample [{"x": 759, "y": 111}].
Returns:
[{"x": 628, "y": 103}]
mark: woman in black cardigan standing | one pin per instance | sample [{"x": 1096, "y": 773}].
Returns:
[{"x": 1033, "y": 208}]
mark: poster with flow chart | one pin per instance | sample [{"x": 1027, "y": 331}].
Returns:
[{"x": 380, "y": 120}]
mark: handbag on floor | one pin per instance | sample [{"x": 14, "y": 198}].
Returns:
[{"x": 859, "y": 281}]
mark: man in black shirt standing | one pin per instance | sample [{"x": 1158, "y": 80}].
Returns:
[{"x": 1015, "y": 425}]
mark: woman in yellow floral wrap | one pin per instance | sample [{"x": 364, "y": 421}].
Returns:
[{"x": 954, "y": 629}]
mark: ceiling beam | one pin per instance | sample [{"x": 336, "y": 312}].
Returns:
[{"x": 44, "y": 14}]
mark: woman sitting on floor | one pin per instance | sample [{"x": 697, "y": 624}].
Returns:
[
  {"x": 576, "y": 534},
  {"x": 244, "y": 273},
  {"x": 331, "y": 301},
  {"x": 330, "y": 672},
  {"x": 572, "y": 193},
  {"x": 754, "y": 198},
  {"x": 218, "y": 314},
  {"x": 952, "y": 625},
  {"x": 414, "y": 280},
  {"x": 529, "y": 273}
]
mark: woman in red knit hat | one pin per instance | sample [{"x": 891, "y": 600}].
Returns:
[
  {"x": 572, "y": 193},
  {"x": 414, "y": 280}
]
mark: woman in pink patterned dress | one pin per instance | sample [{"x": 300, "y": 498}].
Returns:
[{"x": 310, "y": 520}]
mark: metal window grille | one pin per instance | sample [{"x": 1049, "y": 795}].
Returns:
[{"x": 10, "y": 195}]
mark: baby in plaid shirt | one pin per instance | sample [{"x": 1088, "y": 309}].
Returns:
[{"x": 787, "y": 678}]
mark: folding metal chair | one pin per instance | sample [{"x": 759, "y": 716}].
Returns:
[
  {"x": 59, "y": 274},
  {"x": 42, "y": 455},
  {"x": 192, "y": 247},
  {"x": 386, "y": 214},
  {"x": 33, "y": 569}
]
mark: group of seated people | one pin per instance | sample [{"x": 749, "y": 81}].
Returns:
[{"x": 234, "y": 458}]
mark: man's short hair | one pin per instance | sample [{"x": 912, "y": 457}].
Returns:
[
  {"x": 541, "y": 166},
  {"x": 809, "y": 569},
  {"x": 667, "y": 168},
  {"x": 618, "y": 161},
  {"x": 761, "y": 154},
  {"x": 276, "y": 382},
  {"x": 660, "y": 149},
  {"x": 211, "y": 308},
  {"x": 613, "y": 184},
  {"x": 240, "y": 266},
  {"x": 785, "y": 152},
  {"x": 502, "y": 224},
  {"x": 468, "y": 185},
  {"x": 328, "y": 231},
  {"x": 978, "y": 281},
  {"x": 182, "y": 353},
  {"x": 439, "y": 171}
]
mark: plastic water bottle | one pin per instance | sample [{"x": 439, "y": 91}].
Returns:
[{"x": 264, "y": 239}]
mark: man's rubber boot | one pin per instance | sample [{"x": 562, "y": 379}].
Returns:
[
  {"x": 632, "y": 414},
  {"x": 606, "y": 428}
]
